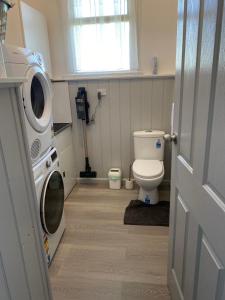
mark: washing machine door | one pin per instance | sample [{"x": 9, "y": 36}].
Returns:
[
  {"x": 52, "y": 202},
  {"x": 37, "y": 97}
]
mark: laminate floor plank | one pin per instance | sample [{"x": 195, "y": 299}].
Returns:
[{"x": 100, "y": 258}]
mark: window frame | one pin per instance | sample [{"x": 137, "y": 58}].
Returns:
[
  {"x": 100, "y": 20},
  {"x": 105, "y": 19}
]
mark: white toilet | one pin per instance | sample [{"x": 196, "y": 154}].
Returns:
[{"x": 148, "y": 167}]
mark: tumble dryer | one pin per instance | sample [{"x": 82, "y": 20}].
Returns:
[
  {"x": 50, "y": 195},
  {"x": 36, "y": 94}
]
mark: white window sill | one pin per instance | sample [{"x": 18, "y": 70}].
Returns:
[{"x": 111, "y": 75}]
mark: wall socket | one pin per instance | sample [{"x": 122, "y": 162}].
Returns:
[{"x": 102, "y": 91}]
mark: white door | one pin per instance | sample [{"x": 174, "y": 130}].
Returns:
[{"x": 197, "y": 221}]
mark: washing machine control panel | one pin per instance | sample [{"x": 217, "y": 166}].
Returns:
[
  {"x": 54, "y": 156},
  {"x": 48, "y": 163},
  {"x": 51, "y": 159}
]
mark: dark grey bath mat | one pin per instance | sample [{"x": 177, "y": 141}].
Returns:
[{"x": 140, "y": 213}]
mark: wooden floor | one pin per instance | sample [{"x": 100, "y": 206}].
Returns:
[{"x": 100, "y": 258}]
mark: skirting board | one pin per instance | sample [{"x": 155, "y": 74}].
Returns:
[{"x": 164, "y": 186}]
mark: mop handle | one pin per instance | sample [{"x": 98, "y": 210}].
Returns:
[{"x": 85, "y": 138}]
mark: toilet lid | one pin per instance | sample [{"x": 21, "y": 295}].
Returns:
[{"x": 148, "y": 168}]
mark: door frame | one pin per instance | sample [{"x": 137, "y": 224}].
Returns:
[{"x": 179, "y": 78}]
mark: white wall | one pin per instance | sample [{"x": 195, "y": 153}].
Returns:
[
  {"x": 156, "y": 29},
  {"x": 14, "y": 34},
  {"x": 36, "y": 33},
  {"x": 157, "y": 34},
  {"x": 130, "y": 105},
  {"x": 50, "y": 10}
]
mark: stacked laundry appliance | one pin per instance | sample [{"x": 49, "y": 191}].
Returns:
[{"x": 36, "y": 95}]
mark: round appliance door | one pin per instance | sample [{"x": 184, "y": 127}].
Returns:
[
  {"x": 37, "y": 95},
  {"x": 52, "y": 202}
]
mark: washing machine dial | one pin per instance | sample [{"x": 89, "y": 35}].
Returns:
[{"x": 48, "y": 163}]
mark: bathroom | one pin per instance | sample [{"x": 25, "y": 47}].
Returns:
[{"x": 117, "y": 143}]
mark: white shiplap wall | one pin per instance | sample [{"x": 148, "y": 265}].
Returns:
[{"x": 130, "y": 104}]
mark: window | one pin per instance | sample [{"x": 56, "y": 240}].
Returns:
[{"x": 103, "y": 34}]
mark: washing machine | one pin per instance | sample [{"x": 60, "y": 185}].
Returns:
[
  {"x": 36, "y": 94},
  {"x": 50, "y": 195}
]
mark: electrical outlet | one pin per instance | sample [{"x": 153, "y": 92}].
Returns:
[{"x": 102, "y": 91}]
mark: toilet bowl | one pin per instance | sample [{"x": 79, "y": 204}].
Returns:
[
  {"x": 148, "y": 167},
  {"x": 148, "y": 174}
]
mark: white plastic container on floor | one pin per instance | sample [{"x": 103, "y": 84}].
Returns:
[
  {"x": 129, "y": 184},
  {"x": 115, "y": 179}
]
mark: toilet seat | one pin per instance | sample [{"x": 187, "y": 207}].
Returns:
[{"x": 148, "y": 169}]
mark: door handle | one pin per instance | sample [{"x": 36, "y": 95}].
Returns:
[{"x": 170, "y": 138}]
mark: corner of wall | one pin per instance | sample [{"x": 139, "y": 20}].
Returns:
[{"x": 14, "y": 34}]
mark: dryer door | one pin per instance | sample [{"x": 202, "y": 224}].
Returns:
[
  {"x": 52, "y": 202},
  {"x": 37, "y": 96}
]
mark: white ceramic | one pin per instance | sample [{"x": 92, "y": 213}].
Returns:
[
  {"x": 148, "y": 191},
  {"x": 148, "y": 168}
]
